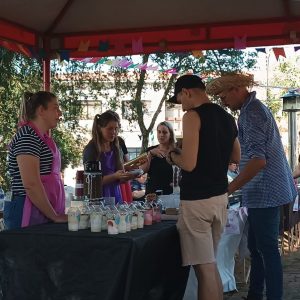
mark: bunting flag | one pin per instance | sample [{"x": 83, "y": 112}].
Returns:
[
  {"x": 293, "y": 36},
  {"x": 95, "y": 59},
  {"x": 119, "y": 44},
  {"x": 170, "y": 71},
  {"x": 102, "y": 60},
  {"x": 263, "y": 50},
  {"x": 122, "y": 63},
  {"x": 116, "y": 62},
  {"x": 152, "y": 68},
  {"x": 126, "y": 63},
  {"x": 143, "y": 67},
  {"x": 64, "y": 55},
  {"x": 163, "y": 44},
  {"x": 103, "y": 46},
  {"x": 88, "y": 59},
  {"x": 296, "y": 48},
  {"x": 137, "y": 46},
  {"x": 83, "y": 46},
  {"x": 85, "y": 60},
  {"x": 279, "y": 52},
  {"x": 57, "y": 56},
  {"x": 223, "y": 52},
  {"x": 33, "y": 52},
  {"x": 133, "y": 66},
  {"x": 240, "y": 42},
  {"x": 197, "y": 53},
  {"x": 109, "y": 62}
]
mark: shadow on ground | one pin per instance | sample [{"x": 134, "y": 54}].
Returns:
[{"x": 291, "y": 278}]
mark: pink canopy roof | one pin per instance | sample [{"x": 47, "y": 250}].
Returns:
[{"x": 86, "y": 28}]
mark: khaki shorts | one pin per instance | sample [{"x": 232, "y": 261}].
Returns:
[{"x": 200, "y": 225}]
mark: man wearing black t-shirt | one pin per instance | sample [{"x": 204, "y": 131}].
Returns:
[{"x": 209, "y": 144}]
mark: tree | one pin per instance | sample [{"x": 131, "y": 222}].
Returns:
[
  {"x": 75, "y": 81},
  {"x": 286, "y": 76},
  {"x": 134, "y": 83},
  {"x": 19, "y": 74}
]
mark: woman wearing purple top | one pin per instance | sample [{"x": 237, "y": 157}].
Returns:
[{"x": 104, "y": 146}]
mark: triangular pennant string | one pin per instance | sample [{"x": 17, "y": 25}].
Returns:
[
  {"x": 240, "y": 42},
  {"x": 197, "y": 53},
  {"x": 296, "y": 48},
  {"x": 279, "y": 52},
  {"x": 263, "y": 50},
  {"x": 137, "y": 46},
  {"x": 84, "y": 46}
]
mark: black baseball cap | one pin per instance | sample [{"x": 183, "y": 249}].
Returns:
[{"x": 186, "y": 82}]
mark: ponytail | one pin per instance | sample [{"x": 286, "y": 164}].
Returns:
[{"x": 31, "y": 102}]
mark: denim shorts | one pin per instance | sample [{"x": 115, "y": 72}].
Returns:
[{"x": 13, "y": 212}]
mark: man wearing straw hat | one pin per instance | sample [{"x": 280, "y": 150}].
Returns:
[
  {"x": 209, "y": 143},
  {"x": 264, "y": 191}
]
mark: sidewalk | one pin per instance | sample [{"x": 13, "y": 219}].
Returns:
[{"x": 291, "y": 279}]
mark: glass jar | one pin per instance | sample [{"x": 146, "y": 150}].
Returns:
[
  {"x": 157, "y": 212},
  {"x": 105, "y": 209},
  {"x": 123, "y": 215},
  {"x": 134, "y": 216},
  {"x": 113, "y": 221},
  {"x": 84, "y": 222},
  {"x": 73, "y": 218},
  {"x": 96, "y": 218},
  {"x": 140, "y": 214},
  {"x": 148, "y": 214}
]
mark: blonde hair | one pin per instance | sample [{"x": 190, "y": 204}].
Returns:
[
  {"x": 31, "y": 102},
  {"x": 172, "y": 139}
]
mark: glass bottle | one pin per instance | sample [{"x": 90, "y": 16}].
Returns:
[
  {"x": 96, "y": 218},
  {"x": 73, "y": 218}
]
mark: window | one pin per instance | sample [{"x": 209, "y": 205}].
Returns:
[
  {"x": 127, "y": 108},
  {"x": 91, "y": 108},
  {"x": 133, "y": 152}
]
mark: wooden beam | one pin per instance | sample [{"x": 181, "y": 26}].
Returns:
[{"x": 59, "y": 17}]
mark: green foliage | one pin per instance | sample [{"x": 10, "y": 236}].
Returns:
[
  {"x": 228, "y": 60},
  {"x": 76, "y": 82},
  {"x": 19, "y": 74},
  {"x": 70, "y": 147},
  {"x": 286, "y": 76},
  {"x": 134, "y": 83}
]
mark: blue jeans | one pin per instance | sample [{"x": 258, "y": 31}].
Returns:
[
  {"x": 13, "y": 212},
  {"x": 266, "y": 265}
]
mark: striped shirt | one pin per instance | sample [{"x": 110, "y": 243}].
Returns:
[
  {"x": 260, "y": 138},
  {"x": 26, "y": 141}
]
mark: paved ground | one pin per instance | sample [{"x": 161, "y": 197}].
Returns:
[{"x": 291, "y": 278}]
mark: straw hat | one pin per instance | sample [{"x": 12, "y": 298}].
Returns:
[{"x": 230, "y": 80}]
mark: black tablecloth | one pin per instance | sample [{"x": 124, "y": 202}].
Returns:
[{"x": 49, "y": 262}]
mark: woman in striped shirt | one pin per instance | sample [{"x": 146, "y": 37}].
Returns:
[{"x": 34, "y": 165}]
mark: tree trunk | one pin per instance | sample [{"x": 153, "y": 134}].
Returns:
[{"x": 145, "y": 142}]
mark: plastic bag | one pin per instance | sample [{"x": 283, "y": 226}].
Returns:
[{"x": 233, "y": 224}]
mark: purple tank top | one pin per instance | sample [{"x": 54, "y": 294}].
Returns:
[{"x": 108, "y": 165}]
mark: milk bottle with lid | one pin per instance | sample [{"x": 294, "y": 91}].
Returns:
[{"x": 73, "y": 218}]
